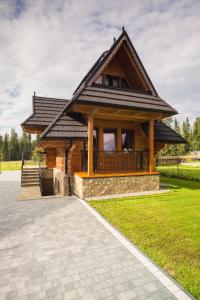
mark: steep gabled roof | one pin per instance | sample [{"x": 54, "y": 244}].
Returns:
[
  {"x": 106, "y": 57},
  {"x": 90, "y": 92},
  {"x": 45, "y": 109}
]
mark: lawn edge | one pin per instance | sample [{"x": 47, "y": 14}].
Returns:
[{"x": 170, "y": 283}]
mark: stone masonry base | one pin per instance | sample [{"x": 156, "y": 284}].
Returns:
[{"x": 105, "y": 186}]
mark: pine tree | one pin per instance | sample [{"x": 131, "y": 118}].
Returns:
[
  {"x": 5, "y": 148},
  {"x": 13, "y": 145},
  {"x": 176, "y": 149},
  {"x": 196, "y": 134},
  {"x": 186, "y": 131},
  {"x": 177, "y": 127},
  {"x": 168, "y": 121},
  {"x": 1, "y": 145}
]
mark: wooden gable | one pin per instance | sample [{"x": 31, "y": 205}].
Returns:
[{"x": 123, "y": 66}]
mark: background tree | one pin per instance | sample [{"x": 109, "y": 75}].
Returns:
[
  {"x": 187, "y": 134},
  {"x": 1, "y": 145},
  {"x": 13, "y": 145},
  {"x": 5, "y": 147},
  {"x": 196, "y": 135}
]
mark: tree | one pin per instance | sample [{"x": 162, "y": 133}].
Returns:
[
  {"x": 13, "y": 145},
  {"x": 177, "y": 127},
  {"x": 5, "y": 148},
  {"x": 196, "y": 135},
  {"x": 168, "y": 121},
  {"x": 187, "y": 134},
  {"x": 1, "y": 146}
]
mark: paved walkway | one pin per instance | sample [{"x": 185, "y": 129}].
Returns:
[{"x": 57, "y": 249}]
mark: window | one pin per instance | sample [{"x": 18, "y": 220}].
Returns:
[
  {"x": 124, "y": 84},
  {"x": 127, "y": 140},
  {"x": 95, "y": 139},
  {"x": 109, "y": 139},
  {"x": 116, "y": 82}
]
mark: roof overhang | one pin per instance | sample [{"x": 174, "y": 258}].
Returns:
[
  {"x": 116, "y": 112},
  {"x": 33, "y": 129}
]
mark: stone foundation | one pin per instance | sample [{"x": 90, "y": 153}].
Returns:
[
  {"x": 103, "y": 186},
  {"x": 60, "y": 183}
]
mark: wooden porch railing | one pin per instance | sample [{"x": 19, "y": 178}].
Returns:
[{"x": 117, "y": 162}]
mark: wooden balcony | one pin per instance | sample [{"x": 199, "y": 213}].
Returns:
[{"x": 116, "y": 162}]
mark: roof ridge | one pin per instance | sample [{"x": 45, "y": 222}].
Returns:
[
  {"x": 50, "y": 98},
  {"x": 99, "y": 64}
]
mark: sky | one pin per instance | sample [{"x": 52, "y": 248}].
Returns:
[{"x": 47, "y": 46}]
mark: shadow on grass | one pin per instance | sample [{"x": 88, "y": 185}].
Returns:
[{"x": 180, "y": 183}]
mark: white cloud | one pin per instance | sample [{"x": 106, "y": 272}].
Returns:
[{"x": 47, "y": 46}]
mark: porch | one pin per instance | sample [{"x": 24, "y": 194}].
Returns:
[
  {"x": 118, "y": 147},
  {"x": 118, "y": 157}
]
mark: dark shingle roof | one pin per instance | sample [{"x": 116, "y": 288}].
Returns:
[
  {"x": 164, "y": 134},
  {"x": 124, "y": 98},
  {"x": 66, "y": 126},
  {"x": 104, "y": 57},
  {"x": 88, "y": 92},
  {"x": 44, "y": 110}
]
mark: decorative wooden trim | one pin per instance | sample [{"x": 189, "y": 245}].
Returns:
[
  {"x": 151, "y": 147},
  {"x": 85, "y": 174},
  {"x": 90, "y": 144},
  {"x": 113, "y": 113}
]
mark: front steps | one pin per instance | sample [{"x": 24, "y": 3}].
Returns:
[{"x": 30, "y": 177}]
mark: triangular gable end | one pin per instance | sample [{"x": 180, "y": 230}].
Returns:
[{"x": 121, "y": 58}]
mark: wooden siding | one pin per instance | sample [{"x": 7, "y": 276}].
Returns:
[
  {"x": 50, "y": 157},
  {"x": 60, "y": 158},
  {"x": 74, "y": 157}
]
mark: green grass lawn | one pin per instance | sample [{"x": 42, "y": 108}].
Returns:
[
  {"x": 13, "y": 165},
  {"x": 165, "y": 226},
  {"x": 185, "y": 172}
]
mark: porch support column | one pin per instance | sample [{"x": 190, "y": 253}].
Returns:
[
  {"x": 100, "y": 139},
  {"x": 119, "y": 139},
  {"x": 90, "y": 144},
  {"x": 151, "y": 147}
]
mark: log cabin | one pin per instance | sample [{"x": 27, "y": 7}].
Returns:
[{"x": 104, "y": 140}]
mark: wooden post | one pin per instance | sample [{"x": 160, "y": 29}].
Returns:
[
  {"x": 90, "y": 145},
  {"x": 119, "y": 139},
  {"x": 151, "y": 147},
  {"x": 100, "y": 139}
]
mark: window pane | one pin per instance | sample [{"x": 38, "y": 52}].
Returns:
[
  {"x": 95, "y": 142},
  {"x": 127, "y": 140},
  {"x": 115, "y": 82},
  {"x": 124, "y": 84},
  {"x": 109, "y": 140}
]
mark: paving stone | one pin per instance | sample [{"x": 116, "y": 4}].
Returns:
[{"x": 56, "y": 249}]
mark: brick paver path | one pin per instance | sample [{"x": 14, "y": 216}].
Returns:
[{"x": 56, "y": 249}]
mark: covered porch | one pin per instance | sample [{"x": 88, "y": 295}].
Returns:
[
  {"x": 118, "y": 157},
  {"x": 116, "y": 142}
]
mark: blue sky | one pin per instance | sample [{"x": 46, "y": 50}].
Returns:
[{"x": 47, "y": 46}]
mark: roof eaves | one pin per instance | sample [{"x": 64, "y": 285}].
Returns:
[
  {"x": 26, "y": 120},
  {"x": 171, "y": 113},
  {"x": 183, "y": 139}
]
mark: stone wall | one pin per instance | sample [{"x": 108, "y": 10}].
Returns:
[
  {"x": 103, "y": 186},
  {"x": 60, "y": 182}
]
